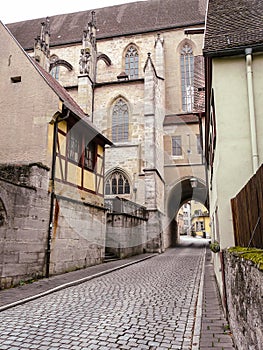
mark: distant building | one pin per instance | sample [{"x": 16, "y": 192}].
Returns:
[{"x": 200, "y": 220}]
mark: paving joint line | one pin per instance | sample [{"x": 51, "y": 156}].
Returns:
[
  {"x": 72, "y": 283},
  {"x": 199, "y": 308}
]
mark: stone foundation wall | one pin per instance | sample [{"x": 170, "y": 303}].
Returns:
[
  {"x": 244, "y": 291},
  {"x": 78, "y": 233},
  {"x": 24, "y": 228},
  {"x": 126, "y": 235},
  {"x": 78, "y": 238}
]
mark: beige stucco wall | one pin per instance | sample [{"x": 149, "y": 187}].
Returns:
[
  {"x": 189, "y": 164},
  {"x": 27, "y": 107}
]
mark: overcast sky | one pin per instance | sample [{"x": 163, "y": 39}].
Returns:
[{"x": 20, "y": 10}]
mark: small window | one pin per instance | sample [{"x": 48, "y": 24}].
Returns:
[
  {"x": 198, "y": 144},
  {"x": 200, "y": 226},
  {"x": 132, "y": 62},
  {"x": 16, "y": 79},
  {"x": 176, "y": 145},
  {"x": 74, "y": 146},
  {"x": 89, "y": 157}
]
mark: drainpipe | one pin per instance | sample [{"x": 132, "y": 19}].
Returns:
[
  {"x": 251, "y": 105},
  {"x": 53, "y": 195}
]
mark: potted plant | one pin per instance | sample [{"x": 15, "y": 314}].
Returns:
[{"x": 215, "y": 247}]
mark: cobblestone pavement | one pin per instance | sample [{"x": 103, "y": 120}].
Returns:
[{"x": 149, "y": 305}]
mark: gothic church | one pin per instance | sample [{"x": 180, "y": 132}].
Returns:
[{"x": 136, "y": 71}]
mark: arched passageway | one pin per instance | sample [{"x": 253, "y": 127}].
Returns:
[{"x": 183, "y": 191}]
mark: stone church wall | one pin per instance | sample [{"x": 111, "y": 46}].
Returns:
[
  {"x": 133, "y": 94},
  {"x": 24, "y": 229},
  {"x": 128, "y": 158},
  {"x": 244, "y": 289}
]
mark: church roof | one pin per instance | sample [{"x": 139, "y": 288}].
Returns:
[
  {"x": 233, "y": 25},
  {"x": 125, "y": 19}
]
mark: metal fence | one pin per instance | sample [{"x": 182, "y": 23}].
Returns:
[{"x": 247, "y": 212}]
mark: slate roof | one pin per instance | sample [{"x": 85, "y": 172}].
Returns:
[
  {"x": 125, "y": 19},
  {"x": 233, "y": 25}
]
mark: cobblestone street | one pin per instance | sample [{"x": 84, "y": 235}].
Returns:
[{"x": 149, "y": 305}]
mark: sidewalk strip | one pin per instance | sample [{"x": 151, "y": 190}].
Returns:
[
  {"x": 71, "y": 284},
  {"x": 199, "y": 307}
]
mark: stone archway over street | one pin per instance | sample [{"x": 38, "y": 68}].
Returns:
[{"x": 188, "y": 188}]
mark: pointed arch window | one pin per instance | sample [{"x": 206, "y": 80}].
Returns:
[
  {"x": 117, "y": 183},
  {"x": 54, "y": 68},
  {"x": 187, "y": 77},
  {"x": 2, "y": 213},
  {"x": 55, "y": 72},
  {"x": 132, "y": 62},
  {"x": 120, "y": 121}
]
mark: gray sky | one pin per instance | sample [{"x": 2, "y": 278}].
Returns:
[{"x": 20, "y": 10}]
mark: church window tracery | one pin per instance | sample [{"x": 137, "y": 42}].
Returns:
[
  {"x": 120, "y": 121},
  {"x": 117, "y": 183},
  {"x": 187, "y": 77},
  {"x": 132, "y": 62}
]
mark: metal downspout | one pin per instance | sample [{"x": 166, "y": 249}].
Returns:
[{"x": 253, "y": 131}]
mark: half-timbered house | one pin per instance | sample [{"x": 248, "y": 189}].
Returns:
[{"x": 51, "y": 173}]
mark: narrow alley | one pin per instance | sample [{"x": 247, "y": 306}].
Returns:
[{"x": 153, "y": 303}]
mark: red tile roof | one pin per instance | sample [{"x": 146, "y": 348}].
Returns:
[
  {"x": 180, "y": 119},
  {"x": 199, "y": 84}
]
